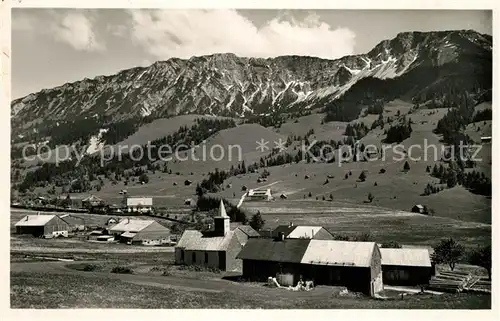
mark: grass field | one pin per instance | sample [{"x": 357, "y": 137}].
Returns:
[
  {"x": 383, "y": 224},
  {"x": 35, "y": 290}
]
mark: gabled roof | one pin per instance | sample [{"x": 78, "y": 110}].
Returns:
[
  {"x": 248, "y": 230},
  {"x": 259, "y": 249},
  {"x": 35, "y": 220},
  {"x": 193, "y": 240},
  {"x": 303, "y": 231},
  {"x": 406, "y": 257},
  {"x": 127, "y": 225},
  {"x": 328, "y": 252},
  {"x": 307, "y": 251},
  {"x": 92, "y": 198},
  {"x": 285, "y": 229}
]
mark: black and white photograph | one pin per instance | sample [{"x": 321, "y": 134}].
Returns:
[{"x": 258, "y": 158}]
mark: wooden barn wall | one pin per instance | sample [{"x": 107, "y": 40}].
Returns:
[
  {"x": 406, "y": 275},
  {"x": 354, "y": 278}
]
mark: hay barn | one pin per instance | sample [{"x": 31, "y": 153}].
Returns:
[
  {"x": 42, "y": 225},
  {"x": 355, "y": 265}
]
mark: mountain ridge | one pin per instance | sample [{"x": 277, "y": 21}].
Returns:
[{"x": 225, "y": 84}]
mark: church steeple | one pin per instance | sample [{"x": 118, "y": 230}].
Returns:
[{"x": 221, "y": 221}]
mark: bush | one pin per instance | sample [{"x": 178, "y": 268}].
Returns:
[
  {"x": 391, "y": 244},
  {"x": 122, "y": 270}
]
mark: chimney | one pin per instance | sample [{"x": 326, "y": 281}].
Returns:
[
  {"x": 290, "y": 224},
  {"x": 282, "y": 236},
  {"x": 128, "y": 220},
  {"x": 27, "y": 217}
]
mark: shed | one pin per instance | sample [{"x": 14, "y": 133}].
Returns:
[
  {"x": 406, "y": 266},
  {"x": 42, "y": 225},
  {"x": 418, "y": 209}
]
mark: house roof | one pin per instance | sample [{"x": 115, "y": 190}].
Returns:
[
  {"x": 193, "y": 240},
  {"x": 35, "y": 220},
  {"x": 248, "y": 230},
  {"x": 302, "y": 231},
  {"x": 259, "y": 192},
  {"x": 259, "y": 249},
  {"x": 406, "y": 257},
  {"x": 285, "y": 229},
  {"x": 127, "y": 225},
  {"x": 328, "y": 252},
  {"x": 92, "y": 198},
  {"x": 142, "y": 201}
]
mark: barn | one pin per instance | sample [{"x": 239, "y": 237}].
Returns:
[
  {"x": 355, "y": 265},
  {"x": 42, "y": 225},
  {"x": 141, "y": 232},
  {"x": 406, "y": 266},
  {"x": 217, "y": 248},
  {"x": 291, "y": 231}
]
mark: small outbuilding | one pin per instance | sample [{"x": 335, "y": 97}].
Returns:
[
  {"x": 406, "y": 266},
  {"x": 418, "y": 209}
]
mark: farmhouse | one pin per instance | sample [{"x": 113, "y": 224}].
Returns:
[
  {"x": 141, "y": 232},
  {"x": 139, "y": 204},
  {"x": 92, "y": 201},
  {"x": 217, "y": 248},
  {"x": 356, "y": 265},
  {"x": 42, "y": 225},
  {"x": 259, "y": 195},
  {"x": 406, "y": 266},
  {"x": 291, "y": 231}
]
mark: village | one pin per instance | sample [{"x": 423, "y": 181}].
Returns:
[{"x": 291, "y": 257}]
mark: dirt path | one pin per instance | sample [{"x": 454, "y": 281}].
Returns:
[
  {"x": 35, "y": 249},
  {"x": 175, "y": 282},
  {"x": 406, "y": 289}
]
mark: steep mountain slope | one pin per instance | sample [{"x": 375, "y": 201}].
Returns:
[{"x": 227, "y": 85}]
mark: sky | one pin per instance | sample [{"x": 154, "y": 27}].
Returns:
[{"x": 51, "y": 47}]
